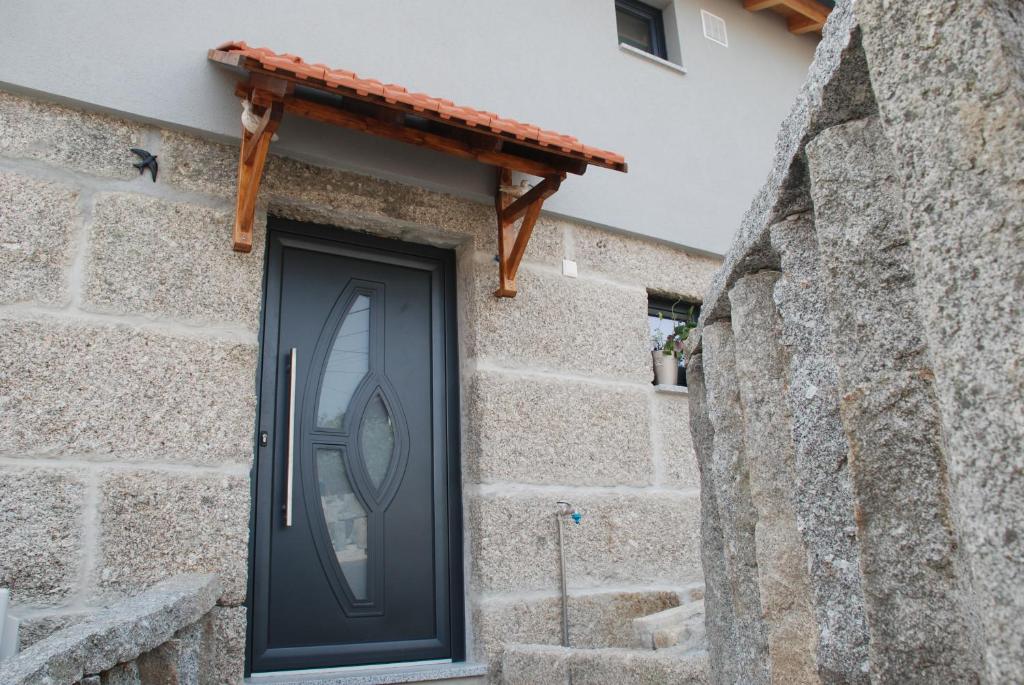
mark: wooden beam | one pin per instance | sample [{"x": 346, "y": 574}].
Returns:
[
  {"x": 518, "y": 248},
  {"x": 519, "y": 207},
  {"x": 810, "y": 9},
  {"x": 802, "y": 16},
  {"x": 252, "y": 158},
  {"x": 502, "y": 199},
  {"x": 512, "y": 241},
  {"x": 758, "y": 5},
  {"x": 359, "y": 122},
  {"x": 254, "y": 67},
  {"x": 803, "y": 25}
]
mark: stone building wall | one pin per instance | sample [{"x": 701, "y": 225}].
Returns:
[
  {"x": 857, "y": 396},
  {"x": 128, "y": 357}
]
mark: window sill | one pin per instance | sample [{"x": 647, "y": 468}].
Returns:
[
  {"x": 672, "y": 389},
  {"x": 376, "y": 675},
  {"x": 652, "y": 58}
]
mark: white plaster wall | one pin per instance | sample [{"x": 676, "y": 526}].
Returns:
[{"x": 699, "y": 144}]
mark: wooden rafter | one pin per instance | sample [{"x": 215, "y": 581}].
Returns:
[{"x": 802, "y": 16}]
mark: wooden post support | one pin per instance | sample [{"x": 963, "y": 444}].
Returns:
[
  {"x": 252, "y": 158},
  {"x": 512, "y": 241}
]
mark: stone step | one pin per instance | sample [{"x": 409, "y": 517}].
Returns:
[
  {"x": 596, "y": 618},
  {"x": 546, "y": 665},
  {"x": 681, "y": 626},
  {"x": 440, "y": 673}
]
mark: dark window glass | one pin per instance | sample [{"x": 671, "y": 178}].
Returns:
[
  {"x": 663, "y": 314},
  {"x": 641, "y": 26}
]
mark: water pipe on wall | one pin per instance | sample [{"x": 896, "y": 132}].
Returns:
[{"x": 565, "y": 510}]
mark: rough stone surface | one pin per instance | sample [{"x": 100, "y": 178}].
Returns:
[
  {"x": 918, "y": 215},
  {"x": 761, "y": 368},
  {"x": 914, "y": 579},
  {"x": 747, "y": 651},
  {"x": 40, "y": 532},
  {"x": 36, "y": 627},
  {"x": 864, "y": 259},
  {"x": 562, "y": 324},
  {"x": 85, "y": 388},
  {"x": 115, "y": 635},
  {"x": 600, "y": 667},
  {"x": 154, "y": 524},
  {"x": 175, "y": 662},
  {"x": 90, "y": 143},
  {"x": 601, "y": 619},
  {"x": 674, "y": 443},
  {"x": 302, "y": 191},
  {"x": 919, "y": 624},
  {"x": 122, "y": 674},
  {"x": 658, "y": 267},
  {"x": 37, "y": 222},
  {"x": 359, "y": 196},
  {"x": 823, "y": 497},
  {"x": 532, "y": 665},
  {"x": 199, "y": 165},
  {"x": 681, "y": 626},
  {"x": 950, "y": 86},
  {"x": 149, "y": 256},
  {"x": 223, "y": 646},
  {"x": 579, "y": 433},
  {"x": 622, "y": 540},
  {"x": 720, "y": 620}
]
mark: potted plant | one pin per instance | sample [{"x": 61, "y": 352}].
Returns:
[{"x": 667, "y": 351}]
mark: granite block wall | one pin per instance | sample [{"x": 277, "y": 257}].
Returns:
[{"x": 128, "y": 357}]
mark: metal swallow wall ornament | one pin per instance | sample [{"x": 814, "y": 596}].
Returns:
[{"x": 148, "y": 162}]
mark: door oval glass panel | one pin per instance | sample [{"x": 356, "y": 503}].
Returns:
[
  {"x": 345, "y": 516},
  {"x": 347, "y": 364},
  {"x": 377, "y": 439}
]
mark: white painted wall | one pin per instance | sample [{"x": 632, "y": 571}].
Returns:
[{"x": 698, "y": 144}]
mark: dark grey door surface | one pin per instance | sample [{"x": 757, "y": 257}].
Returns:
[{"x": 356, "y": 546}]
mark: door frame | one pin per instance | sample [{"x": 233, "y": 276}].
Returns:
[{"x": 443, "y": 335}]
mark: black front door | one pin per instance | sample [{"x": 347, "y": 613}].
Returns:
[{"x": 356, "y": 544}]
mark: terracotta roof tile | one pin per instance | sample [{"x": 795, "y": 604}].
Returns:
[{"x": 326, "y": 78}]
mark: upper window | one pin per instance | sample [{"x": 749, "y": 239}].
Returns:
[{"x": 641, "y": 26}]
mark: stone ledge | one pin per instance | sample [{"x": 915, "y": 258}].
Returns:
[
  {"x": 115, "y": 635},
  {"x": 672, "y": 389},
  {"x": 380, "y": 675}
]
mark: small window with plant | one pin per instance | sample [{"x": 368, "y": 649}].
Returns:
[{"x": 670, "y": 322}]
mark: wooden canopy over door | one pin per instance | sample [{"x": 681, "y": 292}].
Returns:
[{"x": 279, "y": 84}]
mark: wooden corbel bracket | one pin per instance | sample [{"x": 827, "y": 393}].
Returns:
[
  {"x": 511, "y": 240},
  {"x": 268, "y": 104}
]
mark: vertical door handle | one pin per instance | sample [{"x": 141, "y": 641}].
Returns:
[{"x": 292, "y": 369}]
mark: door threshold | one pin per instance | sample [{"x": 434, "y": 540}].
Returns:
[{"x": 375, "y": 674}]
